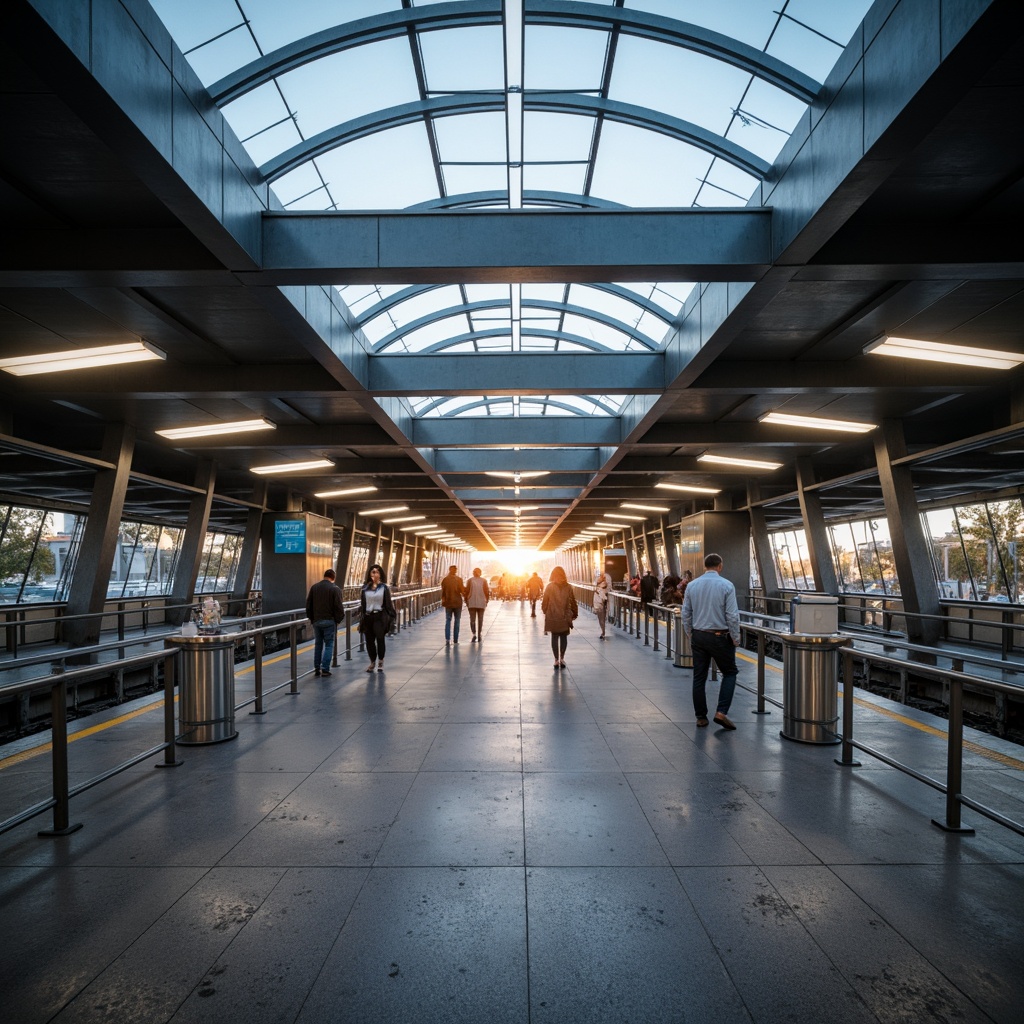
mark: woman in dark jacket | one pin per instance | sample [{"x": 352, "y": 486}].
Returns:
[
  {"x": 559, "y": 608},
  {"x": 376, "y": 614}
]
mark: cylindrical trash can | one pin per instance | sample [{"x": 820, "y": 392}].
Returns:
[
  {"x": 684, "y": 656},
  {"x": 206, "y": 687},
  {"x": 810, "y": 676}
]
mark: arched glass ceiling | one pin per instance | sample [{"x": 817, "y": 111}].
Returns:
[{"x": 385, "y": 104}]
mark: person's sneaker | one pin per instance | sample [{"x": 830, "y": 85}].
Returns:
[
  {"x": 723, "y": 721},
  {"x": 316, "y": 672},
  {"x": 324, "y": 672}
]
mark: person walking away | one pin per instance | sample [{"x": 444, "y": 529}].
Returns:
[
  {"x": 376, "y": 615},
  {"x": 648, "y": 589},
  {"x": 602, "y": 588},
  {"x": 452, "y": 589},
  {"x": 477, "y": 595},
  {"x": 560, "y": 609},
  {"x": 325, "y": 610},
  {"x": 711, "y": 622},
  {"x": 534, "y": 588}
]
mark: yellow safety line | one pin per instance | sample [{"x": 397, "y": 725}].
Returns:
[
  {"x": 25, "y": 755},
  {"x": 974, "y": 748},
  {"x": 1003, "y": 759}
]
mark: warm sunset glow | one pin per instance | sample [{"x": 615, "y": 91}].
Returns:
[{"x": 517, "y": 560}]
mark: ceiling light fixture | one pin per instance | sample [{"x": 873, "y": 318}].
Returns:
[
  {"x": 292, "y": 467},
  {"x": 384, "y": 511},
  {"x": 817, "y": 422},
  {"x": 81, "y": 359},
  {"x": 623, "y": 515},
  {"x": 690, "y": 489},
  {"x": 644, "y": 508},
  {"x": 344, "y": 493},
  {"x": 213, "y": 429},
  {"x": 422, "y": 528},
  {"x": 403, "y": 519},
  {"x": 728, "y": 460},
  {"x": 937, "y": 352}
]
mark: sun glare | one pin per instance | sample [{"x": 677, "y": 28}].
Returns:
[{"x": 517, "y": 560}]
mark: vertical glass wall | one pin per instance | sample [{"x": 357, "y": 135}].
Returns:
[
  {"x": 978, "y": 550},
  {"x": 863, "y": 558},
  {"x": 792, "y": 560}
]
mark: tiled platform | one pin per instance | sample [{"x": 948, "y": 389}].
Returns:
[{"x": 472, "y": 836}]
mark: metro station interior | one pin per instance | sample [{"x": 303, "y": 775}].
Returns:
[{"x": 516, "y": 282}]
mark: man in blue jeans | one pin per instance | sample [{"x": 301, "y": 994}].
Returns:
[
  {"x": 325, "y": 610},
  {"x": 711, "y": 622},
  {"x": 452, "y": 589}
]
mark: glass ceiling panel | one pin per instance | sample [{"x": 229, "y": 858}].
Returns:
[
  {"x": 463, "y": 59},
  {"x": 395, "y": 168},
  {"x": 557, "y": 59}
]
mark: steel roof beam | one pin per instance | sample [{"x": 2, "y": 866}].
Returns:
[{"x": 557, "y": 246}]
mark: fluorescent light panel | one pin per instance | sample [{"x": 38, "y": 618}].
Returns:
[
  {"x": 292, "y": 467},
  {"x": 938, "y": 352},
  {"x": 213, "y": 429},
  {"x": 384, "y": 511},
  {"x": 81, "y": 359},
  {"x": 643, "y": 508},
  {"x": 623, "y": 515},
  {"x": 689, "y": 489},
  {"x": 817, "y": 422},
  {"x": 344, "y": 493},
  {"x": 403, "y": 519},
  {"x": 728, "y": 460}
]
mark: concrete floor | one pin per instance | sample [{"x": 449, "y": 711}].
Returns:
[{"x": 472, "y": 836}]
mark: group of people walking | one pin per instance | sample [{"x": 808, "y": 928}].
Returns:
[{"x": 710, "y": 620}]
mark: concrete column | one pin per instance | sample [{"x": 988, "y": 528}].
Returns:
[
  {"x": 88, "y": 591},
  {"x": 191, "y": 554},
  {"x": 347, "y": 522},
  {"x": 249, "y": 551},
  {"x": 816, "y": 531},
  {"x": 910, "y": 548},
  {"x": 763, "y": 554}
]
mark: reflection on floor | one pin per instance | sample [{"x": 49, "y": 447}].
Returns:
[{"x": 471, "y": 835}]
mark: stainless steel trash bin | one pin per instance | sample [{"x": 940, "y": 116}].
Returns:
[
  {"x": 684, "y": 656},
  {"x": 206, "y": 687},
  {"x": 810, "y": 677}
]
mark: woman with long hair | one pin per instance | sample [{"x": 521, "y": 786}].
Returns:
[
  {"x": 559, "y": 608},
  {"x": 376, "y": 614}
]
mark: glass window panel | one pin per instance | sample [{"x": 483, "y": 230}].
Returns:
[
  {"x": 604, "y": 302},
  {"x": 343, "y": 86},
  {"x": 461, "y": 180},
  {"x": 478, "y": 138},
  {"x": 609, "y": 337},
  {"x": 255, "y": 112},
  {"x": 641, "y": 168},
  {"x": 563, "y": 58},
  {"x": 279, "y": 23},
  {"x": 768, "y": 117},
  {"x": 567, "y": 178},
  {"x": 463, "y": 59},
  {"x": 679, "y": 82},
  {"x": 387, "y": 171},
  {"x": 301, "y": 189},
  {"x": 432, "y": 334},
  {"x": 561, "y": 137},
  {"x": 487, "y": 292},
  {"x": 425, "y": 304}
]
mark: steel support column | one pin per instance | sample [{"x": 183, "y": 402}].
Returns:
[
  {"x": 910, "y": 547},
  {"x": 815, "y": 530},
  {"x": 191, "y": 554}
]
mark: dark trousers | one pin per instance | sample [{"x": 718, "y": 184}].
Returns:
[
  {"x": 374, "y": 635},
  {"x": 708, "y": 647},
  {"x": 558, "y": 642}
]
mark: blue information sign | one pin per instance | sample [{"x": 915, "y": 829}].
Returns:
[{"x": 290, "y": 537}]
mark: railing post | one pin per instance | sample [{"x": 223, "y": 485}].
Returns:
[
  {"x": 171, "y": 760},
  {"x": 257, "y": 673},
  {"x": 293, "y": 656},
  {"x": 847, "y": 760},
  {"x": 348, "y": 634},
  {"x": 762, "y": 650},
  {"x": 59, "y": 761},
  {"x": 669, "y": 615},
  {"x": 954, "y": 760}
]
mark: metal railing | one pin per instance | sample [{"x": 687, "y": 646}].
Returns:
[{"x": 410, "y": 607}]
